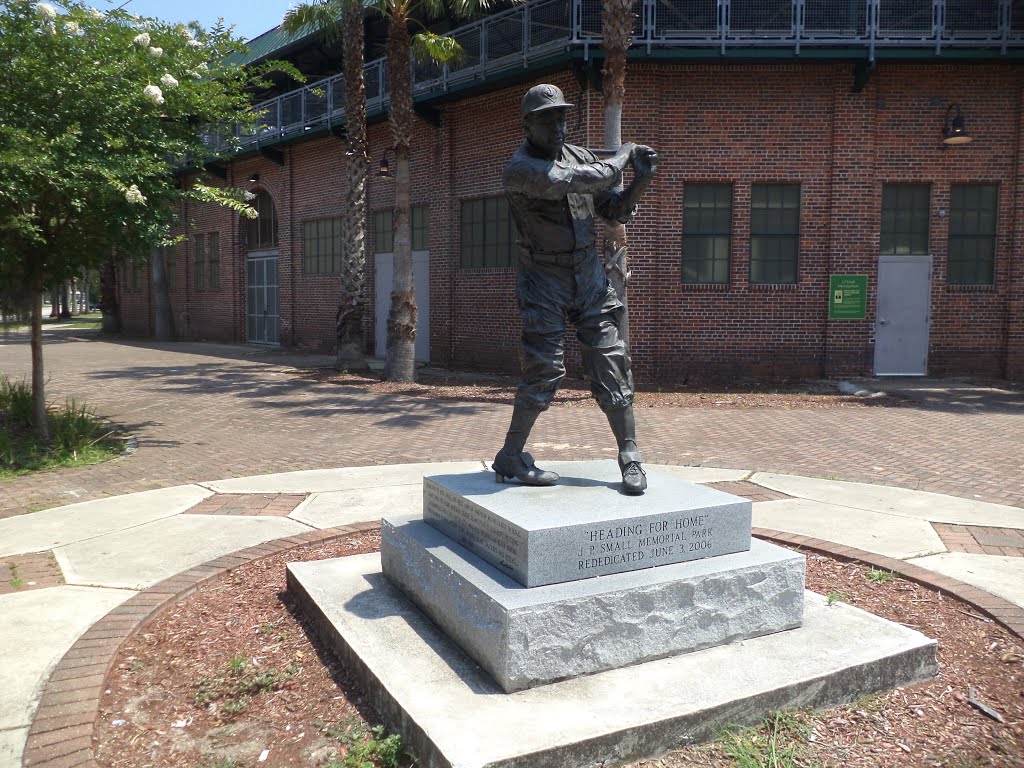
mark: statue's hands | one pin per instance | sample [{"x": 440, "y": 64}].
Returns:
[{"x": 645, "y": 160}]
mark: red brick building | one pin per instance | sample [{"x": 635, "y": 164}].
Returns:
[{"x": 796, "y": 157}]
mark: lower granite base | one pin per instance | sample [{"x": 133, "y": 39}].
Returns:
[{"x": 451, "y": 713}]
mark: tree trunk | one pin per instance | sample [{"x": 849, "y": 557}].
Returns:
[
  {"x": 163, "y": 320},
  {"x": 351, "y": 355},
  {"x": 55, "y": 301},
  {"x": 617, "y": 29},
  {"x": 108, "y": 297},
  {"x": 65, "y": 312},
  {"x": 401, "y": 361},
  {"x": 40, "y": 424}
]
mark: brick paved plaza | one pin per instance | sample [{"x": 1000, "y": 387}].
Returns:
[{"x": 203, "y": 412}]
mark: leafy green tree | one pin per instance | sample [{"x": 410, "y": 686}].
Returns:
[
  {"x": 96, "y": 112},
  {"x": 342, "y": 20}
]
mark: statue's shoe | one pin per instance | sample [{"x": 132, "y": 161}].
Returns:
[
  {"x": 520, "y": 467},
  {"x": 634, "y": 479}
]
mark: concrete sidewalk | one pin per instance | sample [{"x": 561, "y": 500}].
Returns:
[{"x": 69, "y": 566}]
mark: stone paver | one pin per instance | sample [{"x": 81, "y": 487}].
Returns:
[
  {"x": 195, "y": 409},
  {"x": 42, "y": 625},
  {"x": 750, "y": 491},
  {"x": 890, "y": 535},
  {"x": 1002, "y": 576},
  {"x": 248, "y": 504},
  {"x": 981, "y": 540},
  {"x": 86, "y": 520},
  {"x": 36, "y": 570},
  {"x": 127, "y": 559}
]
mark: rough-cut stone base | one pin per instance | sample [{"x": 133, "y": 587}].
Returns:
[
  {"x": 451, "y": 714},
  {"x": 528, "y": 637}
]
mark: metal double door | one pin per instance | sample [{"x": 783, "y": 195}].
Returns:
[{"x": 262, "y": 299}]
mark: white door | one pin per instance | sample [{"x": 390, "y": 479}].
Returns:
[
  {"x": 384, "y": 266},
  {"x": 903, "y": 315}
]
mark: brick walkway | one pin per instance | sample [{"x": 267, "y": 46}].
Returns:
[{"x": 203, "y": 412}]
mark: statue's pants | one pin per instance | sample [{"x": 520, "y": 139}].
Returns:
[{"x": 554, "y": 290}]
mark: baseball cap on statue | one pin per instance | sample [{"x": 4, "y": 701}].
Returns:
[{"x": 542, "y": 97}]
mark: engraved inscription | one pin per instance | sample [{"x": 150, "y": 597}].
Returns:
[
  {"x": 670, "y": 539},
  {"x": 477, "y": 530}
]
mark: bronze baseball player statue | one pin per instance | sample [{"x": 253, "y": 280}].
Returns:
[{"x": 554, "y": 190}]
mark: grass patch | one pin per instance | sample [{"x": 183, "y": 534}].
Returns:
[
  {"x": 777, "y": 743},
  {"x": 877, "y": 576},
  {"x": 366, "y": 748},
  {"x": 77, "y": 436},
  {"x": 836, "y": 596},
  {"x": 233, "y": 689}
]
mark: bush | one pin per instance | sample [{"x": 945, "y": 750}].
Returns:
[
  {"x": 16, "y": 401},
  {"x": 78, "y": 436}
]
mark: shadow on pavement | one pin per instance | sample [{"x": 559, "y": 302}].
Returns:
[{"x": 958, "y": 395}]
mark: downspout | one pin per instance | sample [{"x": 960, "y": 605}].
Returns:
[{"x": 291, "y": 240}]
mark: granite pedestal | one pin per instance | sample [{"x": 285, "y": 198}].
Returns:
[
  {"x": 584, "y": 527},
  {"x": 540, "y": 584}
]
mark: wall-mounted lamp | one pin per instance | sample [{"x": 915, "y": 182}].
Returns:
[
  {"x": 386, "y": 171},
  {"x": 954, "y": 129},
  {"x": 254, "y": 178}
]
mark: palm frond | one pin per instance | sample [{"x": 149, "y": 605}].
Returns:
[
  {"x": 439, "y": 48},
  {"x": 320, "y": 16}
]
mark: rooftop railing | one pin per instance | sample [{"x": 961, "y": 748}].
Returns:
[{"x": 536, "y": 30}]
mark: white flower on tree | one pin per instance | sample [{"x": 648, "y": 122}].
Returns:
[
  {"x": 46, "y": 11},
  {"x": 95, "y": 13},
  {"x": 168, "y": 81},
  {"x": 249, "y": 195},
  {"x": 193, "y": 43},
  {"x": 73, "y": 28},
  {"x": 156, "y": 53},
  {"x": 134, "y": 196},
  {"x": 154, "y": 94},
  {"x": 142, "y": 40}
]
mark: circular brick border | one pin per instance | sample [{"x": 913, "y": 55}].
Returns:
[
  {"x": 1002, "y": 611},
  {"x": 61, "y": 732},
  {"x": 62, "y": 727}
]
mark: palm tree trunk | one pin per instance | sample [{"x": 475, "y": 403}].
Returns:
[
  {"x": 401, "y": 365},
  {"x": 617, "y": 28},
  {"x": 39, "y": 422},
  {"x": 351, "y": 353}
]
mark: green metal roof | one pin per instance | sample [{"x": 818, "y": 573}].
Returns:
[{"x": 270, "y": 43}]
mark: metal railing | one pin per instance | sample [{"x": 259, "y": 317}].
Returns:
[{"x": 539, "y": 29}]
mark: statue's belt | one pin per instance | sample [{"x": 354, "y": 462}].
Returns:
[{"x": 563, "y": 259}]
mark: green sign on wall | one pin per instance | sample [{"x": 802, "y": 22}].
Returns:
[{"x": 848, "y": 297}]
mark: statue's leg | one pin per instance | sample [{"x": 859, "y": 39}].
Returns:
[
  {"x": 541, "y": 297},
  {"x": 606, "y": 365}
]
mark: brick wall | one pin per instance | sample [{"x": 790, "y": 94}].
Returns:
[{"x": 737, "y": 123}]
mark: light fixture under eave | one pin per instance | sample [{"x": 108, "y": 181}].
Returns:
[
  {"x": 386, "y": 171},
  {"x": 254, "y": 178},
  {"x": 954, "y": 128}
]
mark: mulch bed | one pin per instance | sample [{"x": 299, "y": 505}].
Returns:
[
  {"x": 229, "y": 676},
  {"x": 446, "y": 385}
]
